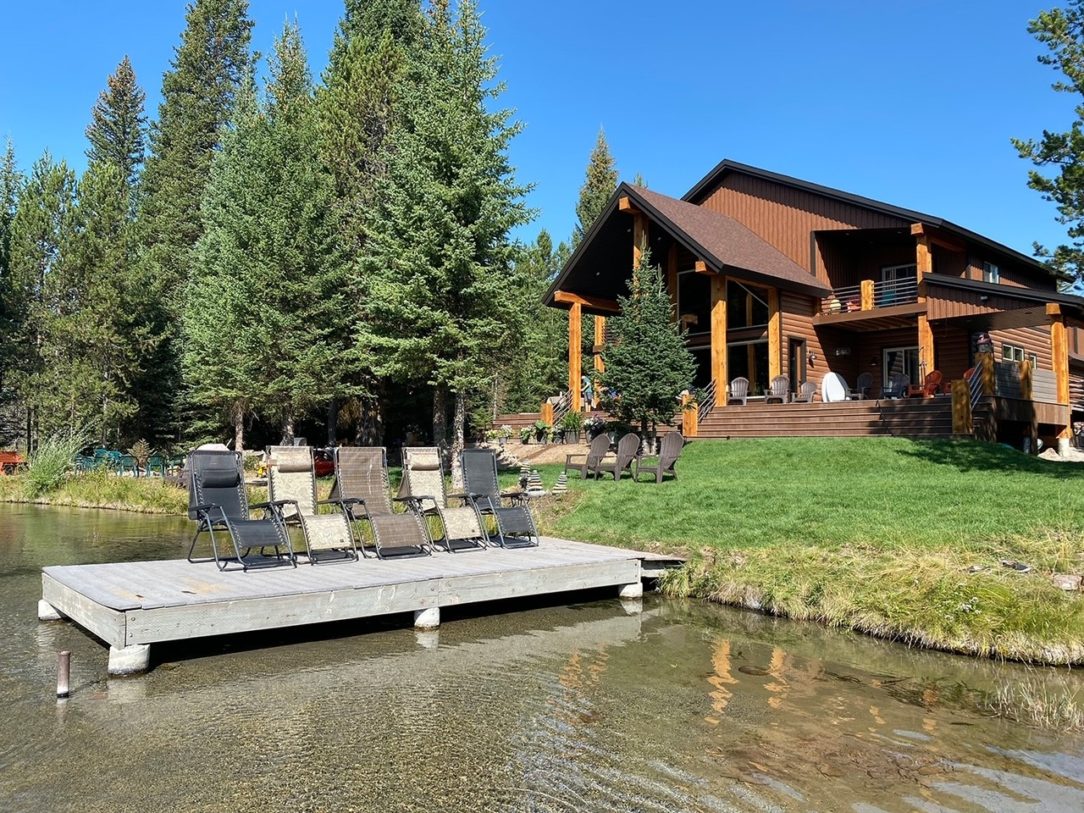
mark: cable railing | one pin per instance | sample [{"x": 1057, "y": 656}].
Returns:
[
  {"x": 870, "y": 295},
  {"x": 707, "y": 402},
  {"x": 895, "y": 292},
  {"x": 842, "y": 300}
]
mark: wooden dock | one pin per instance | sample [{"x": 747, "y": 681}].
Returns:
[{"x": 132, "y": 605}]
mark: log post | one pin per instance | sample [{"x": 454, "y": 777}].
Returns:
[
  {"x": 1059, "y": 357},
  {"x": 690, "y": 417},
  {"x": 866, "y": 296},
  {"x": 718, "y": 338},
  {"x": 600, "y": 341},
  {"x": 923, "y": 266},
  {"x": 961, "y": 408},
  {"x": 575, "y": 316},
  {"x": 988, "y": 373},
  {"x": 775, "y": 336}
]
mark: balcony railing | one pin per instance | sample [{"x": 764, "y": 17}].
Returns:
[{"x": 870, "y": 295}]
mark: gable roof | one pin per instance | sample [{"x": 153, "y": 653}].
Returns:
[
  {"x": 715, "y": 176},
  {"x": 720, "y": 241}
]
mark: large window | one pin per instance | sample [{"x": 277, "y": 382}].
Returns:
[
  {"x": 694, "y": 302},
  {"x": 901, "y": 360},
  {"x": 991, "y": 273},
  {"x": 749, "y": 360},
  {"x": 746, "y": 306}
]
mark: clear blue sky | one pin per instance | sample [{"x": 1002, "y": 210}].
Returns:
[{"x": 912, "y": 103}]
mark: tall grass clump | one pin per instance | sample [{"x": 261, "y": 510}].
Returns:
[{"x": 51, "y": 462}]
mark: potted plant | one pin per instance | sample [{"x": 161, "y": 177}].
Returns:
[
  {"x": 572, "y": 424},
  {"x": 594, "y": 425},
  {"x": 542, "y": 430},
  {"x": 525, "y": 435}
]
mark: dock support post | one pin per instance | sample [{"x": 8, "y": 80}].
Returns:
[
  {"x": 427, "y": 619},
  {"x": 130, "y": 659},
  {"x": 47, "y": 612},
  {"x": 633, "y": 590}
]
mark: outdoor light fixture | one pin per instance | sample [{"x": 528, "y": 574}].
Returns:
[
  {"x": 843, "y": 351},
  {"x": 873, "y": 362},
  {"x": 811, "y": 359}
]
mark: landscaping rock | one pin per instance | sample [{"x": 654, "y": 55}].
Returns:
[
  {"x": 1012, "y": 564},
  {"x": 1066, "y": 581}
]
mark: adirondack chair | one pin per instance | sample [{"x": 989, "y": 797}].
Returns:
[
  {"x": 218, "y": 502},
  {"x": 586, "y": 463},
  {"x": 778, "y": 390},
  {"x": 739, "y": 392},
  {"x": 863, "y": 387},
  {"x": 627, "y": 450},
  {"x": 669, "y": 452},
  {"x": 806, "y": 393},
  {"x": 928, "y": 388},
  {"x": 291, "y": 481}
]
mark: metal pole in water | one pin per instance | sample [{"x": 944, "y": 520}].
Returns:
[{"x": 63, "y": 674}]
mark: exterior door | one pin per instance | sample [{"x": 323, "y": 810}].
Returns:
[{"x": 901, "y": 360}]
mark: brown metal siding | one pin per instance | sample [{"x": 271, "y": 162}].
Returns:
[
  {"x": 946, "y": 303},
  {"x": 1013, "y": 275},
  {"x": 787, "y": 217},
  {"x": 952, "y": 350}
]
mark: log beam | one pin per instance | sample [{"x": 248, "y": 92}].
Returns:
[
  {"x": 639, "y": 238},
  {"x": 597, "y": 303},
  {"x": 625, "y": 204}
]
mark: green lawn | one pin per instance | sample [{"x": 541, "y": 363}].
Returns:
[
  {"x": 897, "y": 538},
  {"x": 820, "y": 491}
]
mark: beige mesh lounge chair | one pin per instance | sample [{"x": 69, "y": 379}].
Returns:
[
  {"x": 778, "y": 390},
  {"x": 291, "y": 482},
  {"x": 669, "y": 452},
  {"x": 423, "y": 479},
  {"x": 595, "y": 452},
  {"x": 806, "y": 393},
  {"x": 627, "y": 450},
  {"x": 361, "y": 483},
  {"x": 739, "y": 392}
]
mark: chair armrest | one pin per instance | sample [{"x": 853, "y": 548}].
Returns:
[
  {"x": 570, "y": 457},
  {"x": 273, "y": 503}
]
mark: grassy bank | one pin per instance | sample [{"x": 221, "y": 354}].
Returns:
[
  {"x": 895, "y": 538},
  {"x": 147, "y": 495}
]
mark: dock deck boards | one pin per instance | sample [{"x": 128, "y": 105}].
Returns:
[{"x": 140, "y": 603}]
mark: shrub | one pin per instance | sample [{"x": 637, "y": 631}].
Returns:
[
  {"x": 51, "y": 462},
  {"x": 572, "y": 421}
]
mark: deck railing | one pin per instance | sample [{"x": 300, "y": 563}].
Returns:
[
  {"x": 870, "y": 295},
  {"x": 707, "y": 402}
]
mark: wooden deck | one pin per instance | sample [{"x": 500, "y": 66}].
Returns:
[{"x": 135, "y": 604}]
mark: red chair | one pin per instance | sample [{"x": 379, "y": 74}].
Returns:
[{"x": 928, "y": 388}]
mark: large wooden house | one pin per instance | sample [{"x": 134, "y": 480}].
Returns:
[{"x": 773, "y": 275}]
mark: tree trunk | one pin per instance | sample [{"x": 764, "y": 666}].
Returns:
[
  {"x": 369, "y": 428},
  {"x": 459, "y": 420},
  {"x": 238, "y": 416},
  {"x": 332, "y": 422},
  {"x": 288, "y": 429},
  {"x": 440, "y": 416}
]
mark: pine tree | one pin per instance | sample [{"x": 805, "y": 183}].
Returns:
[
  {"x": 198, "y": 94},
  {"x": 268, "y": 324},
  {"x": 436, "y": 271},
  {"x": 647, "y": 362},
  {"x": 116, "y": 130},
  {"x": 89, "y": 346},
  {"x": 598, "y": 186},
  {"x": 11, "y": 183},
  {"x": 42, "y": 225}
]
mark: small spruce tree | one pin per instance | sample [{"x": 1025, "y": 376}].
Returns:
[{"x": 647, "y": 363}]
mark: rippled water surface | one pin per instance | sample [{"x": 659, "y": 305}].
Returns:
[{"x": 682, "y": 707}]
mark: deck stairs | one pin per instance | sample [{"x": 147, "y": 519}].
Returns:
[{"x": 908, "y": 417}]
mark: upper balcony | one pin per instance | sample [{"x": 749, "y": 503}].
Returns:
[{"x": 872, "y": 304}]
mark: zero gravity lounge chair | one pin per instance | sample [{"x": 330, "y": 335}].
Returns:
[
  {"x": 423, "y": 480},
  {"x": 218, "y": 501},
  {"x": 361, "y": 485},
  {"x": 515, "y": 525},
  {"x": 291, "y": 482}
]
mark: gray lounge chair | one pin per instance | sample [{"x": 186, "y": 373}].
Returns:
[
  {"x": 361, "y": 484},
  {"x": 509, "y": 509},
  {"x": 423, "y": 479},
  {"x": 806, "y": 393},
  {"x": 778, "y": 390},
  {"x": 669, "y": 452},
  {"x": 291, "y": 482},
  {"x": 739, "y": 392},
  {"x": 627, "y": 450},
  {"x": 595, "y": 452},
  {"x": 218, "y": 501}
]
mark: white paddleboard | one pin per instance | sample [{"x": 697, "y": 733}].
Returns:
[{"x": 833, "y": 388}]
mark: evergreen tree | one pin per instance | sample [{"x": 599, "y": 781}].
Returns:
[
  {"x": 11, "y": 182},
  {"x": 268, "y": 324},
  {"x": 116, "y": 130},
  {"x": 89, "y": 344},
  {"x": 41, "y": 226},
  {"x": 1061, "y": 30},
  {"x": 598, "y": 186},
  {"x": 647, "y": 363},
  {"x": 198, "y": 95},
  {"x": 436, "y": 272}
]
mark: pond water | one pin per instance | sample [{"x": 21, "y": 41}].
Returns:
[{"x": 683, "y": 707}]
